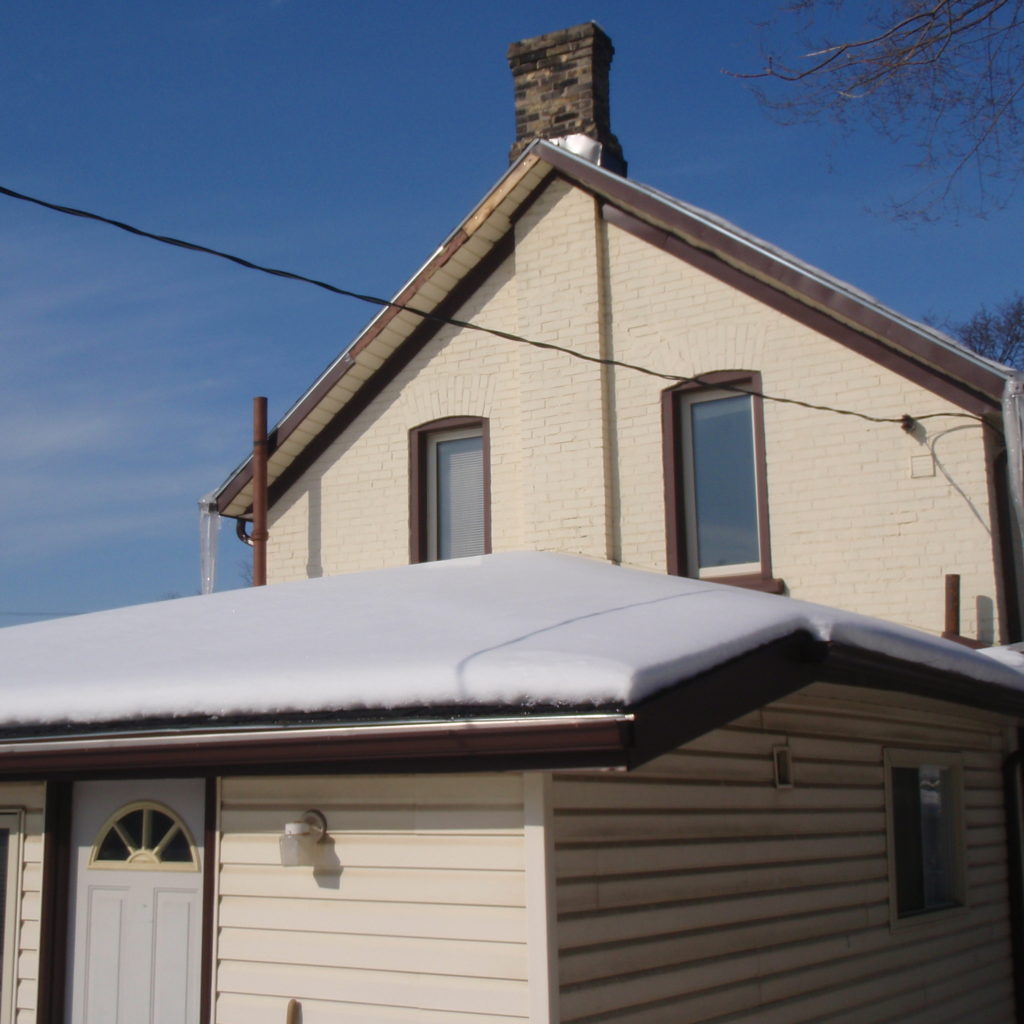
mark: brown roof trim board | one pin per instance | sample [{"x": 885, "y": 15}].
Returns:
[
  {"x": 53, "y": 910},
  {"x": 393, "y": 365},
  {"x": 420, "y": 334},
  {"x": 746, "y": 255},
  {"x": 595, "y": 739},
  {"x": 893, "y": 359}
]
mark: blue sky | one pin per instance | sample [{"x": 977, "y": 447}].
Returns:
[{"x": 342, "y": 140}]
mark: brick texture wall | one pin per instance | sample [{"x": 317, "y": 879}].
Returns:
[{"x": 863, "y": 516}]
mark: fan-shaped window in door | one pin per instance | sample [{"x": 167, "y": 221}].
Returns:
[{"x": 145, "y": 835}]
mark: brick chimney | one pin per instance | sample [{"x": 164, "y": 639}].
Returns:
[{"x": 561, "y": 83}]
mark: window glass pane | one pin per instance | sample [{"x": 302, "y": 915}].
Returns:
[
  {"x": 937, "y": 851},
  {"x": 112, "y": 847},
  {"x": 724, "y": 482},
  {"x": 177, "y": 850},
  {"x": 460, "y": 497},
  {"x": 131, "y": 824},
  {"x": 924, "y": 838},
  {"x": 907, "y": 839}
]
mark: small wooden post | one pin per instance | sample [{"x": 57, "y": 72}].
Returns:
[
  {"x": 292, "y": 1013},
  {"x": 259, "y": 492},
  {"x": 952, "y": 627}
]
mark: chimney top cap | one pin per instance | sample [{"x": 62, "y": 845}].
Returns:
[{"x": 587, "y": 30}]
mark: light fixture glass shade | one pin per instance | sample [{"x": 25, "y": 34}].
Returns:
[
  {"x": 291, "y": 850},
  {"x": 299, "y": 839}
]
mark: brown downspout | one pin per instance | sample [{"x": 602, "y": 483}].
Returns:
[
  {"x": 259, "y": 533},
  {"x": 1012, "y": 792}
]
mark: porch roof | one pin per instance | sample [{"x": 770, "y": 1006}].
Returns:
[{"x": 516, "y": 638}]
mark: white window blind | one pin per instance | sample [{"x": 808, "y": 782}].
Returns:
[{"x": 456, "y": 494}]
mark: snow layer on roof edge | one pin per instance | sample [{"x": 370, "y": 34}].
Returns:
[{"x": 515, "y": 629}]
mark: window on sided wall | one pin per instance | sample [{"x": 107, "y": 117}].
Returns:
[
  {"x": 450, "y": 489},
  {"x": 926, "y": 837},
  {"x": 716, "y": 486}
]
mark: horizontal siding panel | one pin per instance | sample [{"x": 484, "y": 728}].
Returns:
[
  {"x": 447, "y": 820},
  {"x": 240, "y": 1009},
  {"x": 502, "y": 853},
  {"x": 381, "y": 988},
  {"x": 591, "y": 827},
  {"x": 28, "y": 937},
  {"x": 376, "y": 953},
  {"x": 679, "y": 947},
  {"x": 622, "y": 858},
  {"x": 782, "y": 998},
  {"x": 880, "y": 705},
  {"x": 587, "y": 929},
  {"x": 640, "y": 795},
  {"x": 892, "y": 732},
  {"x": 372, "y": 790},
  {"x": 425, "y": 920},
  {"x": 651, "y": 889},
  {"x": 497, "y": 888}
]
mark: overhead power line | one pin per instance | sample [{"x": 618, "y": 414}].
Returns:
[{"x": 906, "y": 421}]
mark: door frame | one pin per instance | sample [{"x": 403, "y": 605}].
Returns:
[{"x": 56, "y": 887}]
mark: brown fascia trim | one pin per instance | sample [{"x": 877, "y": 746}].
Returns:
[
  {"x": 398, "y": 359},
  {"x": 978, "y": 396},
  {"x": 853, "y": 666},
  {"x": 957, "y": 378},
  {"x": 620, "y": 739},
  {"x": 418, "y": 511},
  {"x": 596, "y": 739},
  {"x": 340, "y": 367},
  {"x": 208, "y": 946},
  {"x": 715, "y": 698},
  {"x": 53, "y": 911},
  {"x": 393, "y": 365}
]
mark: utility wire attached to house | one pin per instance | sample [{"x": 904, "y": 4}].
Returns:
[{"x": 906, "y": 421}]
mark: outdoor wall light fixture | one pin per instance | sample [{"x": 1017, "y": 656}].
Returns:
[{"x": 298, "y": 842}]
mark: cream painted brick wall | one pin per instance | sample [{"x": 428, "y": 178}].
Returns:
[
  {"x": 350, "y": 510},
  {"x": 850, "y": 526}
]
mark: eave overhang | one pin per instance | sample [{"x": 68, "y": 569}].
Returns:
[{"x": 516, "y": 739}]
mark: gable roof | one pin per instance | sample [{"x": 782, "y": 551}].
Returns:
[
  {"x": 519, "y": 659},
  {"x": 485, "y": 238}
]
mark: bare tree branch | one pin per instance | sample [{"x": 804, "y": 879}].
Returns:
[
  {"x": 995, "y": 333},
  {"x": 946, "y": 74}
]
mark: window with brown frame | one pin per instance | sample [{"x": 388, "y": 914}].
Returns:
[
  {"x": 450, "y": 505},
  {"x": 924, "y": 796},
  {"x": 716, "y": 493}
]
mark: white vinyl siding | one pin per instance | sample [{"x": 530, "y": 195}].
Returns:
[
  {"x": 21, "y": 812},
  {"x": 695, "y": 890},
  {"x": 415, "y": 911}
]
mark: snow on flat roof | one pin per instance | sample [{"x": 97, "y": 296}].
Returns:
[{"x": 513, "y": 629}]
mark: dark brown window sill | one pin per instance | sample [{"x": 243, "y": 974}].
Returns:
[{"x": 752, "y": 581}]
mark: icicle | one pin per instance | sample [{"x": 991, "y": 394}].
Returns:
[{"x": 209, "y": 526}]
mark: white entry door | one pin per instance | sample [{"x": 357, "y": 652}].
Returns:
[{"x": 135, "y": 918}]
